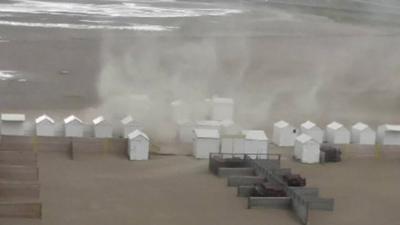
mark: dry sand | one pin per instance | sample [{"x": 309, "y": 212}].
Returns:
[{"x": 179, "y": 190}]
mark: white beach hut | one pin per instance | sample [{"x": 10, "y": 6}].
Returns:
[
  {"x": 232, "y": 138},
  {"x": 102, "y": 128},
  {"x": 12, "y": 124},
  {"x": 306, "y": 149},
  {"x": 138, "y": 147},
  {"x": 256, "y": 142},
  {"x": 129, "y": 125},
  {"x": 389, "y": 134},
  {"x": 206, "y": 141},
  {"x": 336, "y": 133},
  {"x": 312, "y": 130},
  {"x": 73, "y": 126},
  {"x": 45, "y": 126},
  {"x": 284, "y": 134},
  {"x": 362, "y": 134},
  {"x": 185, "y": 131},
  {"x": 222, "y": 108}
]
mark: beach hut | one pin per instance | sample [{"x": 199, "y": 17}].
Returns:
[
  {"x": 336, "y": 133},
  {"x": 312, "y": 130},
  {"x": 232, "y": 138},
  {"x": 362, "y": 134},
  {"x": 12, "y": 124},
  {"x": 222, "y": 108},
  {"x": 73, "y": 126},
  {"x": 256, "y": 142},
  {"x": 206, "y": 141},
  {"x": 129, "y": 125},
  {"x": 138, "y": 147},
  {"x": 389, "y": 134},
  {"x": 306, "y": 149},
  {"x": 102, "y": 128},
  {"x": 284, "y": 134},
  {"x": 45, "y": 126},
  {"x": 185, "y": 131}
]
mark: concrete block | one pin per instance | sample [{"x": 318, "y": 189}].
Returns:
[
  {"x": 20, "y": 209},
  {"x": 226, "y": 172},
  {"x": 83, "y": 148},
  {"x": 325, "y": 204},
  {"x": 301, "y": 209},
  {"x": 19, "y": 190},
  {"x": 269, "y": 202},
  {"x": 18, "y": 158},
  {"x": 245, "y": 191},
  {"x": 19, "y": 173},
  {"x": 86, "y": 148},
  {"x": 235, "y": 181},
  {"x": 306, "y": 191},
  {"x": 52, "y": 144}
]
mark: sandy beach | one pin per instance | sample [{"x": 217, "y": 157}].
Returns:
[
  {"x": 180, "y": 190},
  {"x": 89, "y": 58}
]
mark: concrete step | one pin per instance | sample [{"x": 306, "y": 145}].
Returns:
[
  {"x": 227, "y": 172},
  {"x": 16, "y": 147},
  {"x": 20, "y": 209},
  {"x": 87, "y": 148},
  {"x": 11, "y": 190},
  {"x": 19, "y": 173},
  {"x": 18, "y": 158}
]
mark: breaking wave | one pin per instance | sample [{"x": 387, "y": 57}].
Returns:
[
  {"x": 138, "y": 27},
  {"x": 119, "y": 9}
]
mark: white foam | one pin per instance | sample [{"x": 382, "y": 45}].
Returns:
[
  {"x": 120, "y": 9},
  {"x": 97, "y": 21},
  {"x": 138, "y": 27},
  {"x": 7, "y": 74}
]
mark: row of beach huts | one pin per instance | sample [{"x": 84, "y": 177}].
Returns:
[
  {"x": 73, "y": 127},
  {"x": 221, "y": 134},
  {"x": 227, "y": 138},
  {"x": 217, "y": 132}
]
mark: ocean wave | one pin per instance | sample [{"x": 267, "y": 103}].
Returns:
[
  {"x": 8, "y": 74},
  {"x": 137, "y": 27},
  {"x": 120, "y": 9},
  {"x": 97, "y": 21}
]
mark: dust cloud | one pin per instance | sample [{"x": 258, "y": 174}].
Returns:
[{"x": 324, "y": 72}]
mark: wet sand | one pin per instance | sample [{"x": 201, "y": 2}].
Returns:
[{"x": 179, "y": 190}]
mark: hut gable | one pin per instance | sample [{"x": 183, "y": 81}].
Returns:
[
  {"x": 98, "y": 120},
  {"x": 137, "y": 133},
  {"x": 72, "y": 119},
  {"x": 127, "y": 120},
  {"x": 44, "y": 119}
]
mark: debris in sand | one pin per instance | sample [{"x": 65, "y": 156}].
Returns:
[{"x": 64, "y": 72}]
